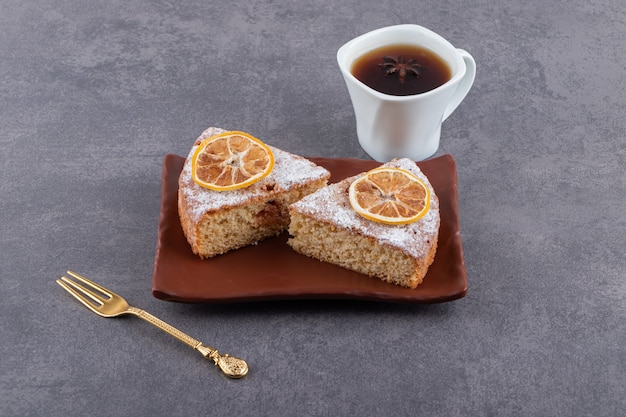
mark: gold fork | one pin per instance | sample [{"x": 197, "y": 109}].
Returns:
[{"x": 106, "y": 303}]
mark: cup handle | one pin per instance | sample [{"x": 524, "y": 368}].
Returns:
[{"x": 465, "y": 84}]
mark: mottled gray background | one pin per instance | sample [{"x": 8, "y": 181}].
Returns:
[{"x": 94, "y": 94}]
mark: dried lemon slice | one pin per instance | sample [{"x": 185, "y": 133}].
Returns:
[
  {"x": 231, "y": 160},
  {"x": 390, "y": 195}
]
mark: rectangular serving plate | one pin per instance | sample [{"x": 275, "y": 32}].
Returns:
[{"x": 271, "y": 270}]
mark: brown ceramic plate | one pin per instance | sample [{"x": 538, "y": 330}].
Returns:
[{"x": 271, "y": 270}]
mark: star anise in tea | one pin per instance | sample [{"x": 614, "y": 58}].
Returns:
[{"x": 401, "y": 67}]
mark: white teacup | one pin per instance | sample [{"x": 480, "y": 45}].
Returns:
[{"x": 391, "y": 126}]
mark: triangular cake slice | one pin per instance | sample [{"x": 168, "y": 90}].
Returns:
[
  {"x": 324, "y": 226},
  {"x": 215, "y": 222}
]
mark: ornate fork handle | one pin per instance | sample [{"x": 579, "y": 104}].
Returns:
[{"x": 231, "y": 366}]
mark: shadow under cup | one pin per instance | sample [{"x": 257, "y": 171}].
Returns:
[{"x": 390, "y": 126}]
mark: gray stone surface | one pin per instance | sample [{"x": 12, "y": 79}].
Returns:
[{"x": 94, "y": 94}]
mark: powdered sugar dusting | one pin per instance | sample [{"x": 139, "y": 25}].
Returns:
[
  {"x": 289, "y": 170},
  {"x": 331, "y": 204}
]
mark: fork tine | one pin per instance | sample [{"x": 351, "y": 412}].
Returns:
[
  {"x": 91, "y": 283},
  {"x": 79, "y": 291},
  {"x": 63, "y": 282}
]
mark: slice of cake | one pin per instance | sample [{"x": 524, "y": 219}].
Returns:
[
  {"x": 215, "y": 222},
  {"x": 325, "y": 226}
]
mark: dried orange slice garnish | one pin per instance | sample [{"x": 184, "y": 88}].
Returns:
[
  {"x": 390, "y": 195},
  {"x": 231, "y": 160}
]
